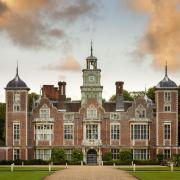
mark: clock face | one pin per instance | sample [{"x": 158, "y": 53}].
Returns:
[{"x": 91, "y": 78}]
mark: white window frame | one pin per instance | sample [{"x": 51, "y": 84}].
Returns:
[
  {"x": 167, "y": 96},
  {"x": 44, "y": 112},
  {"x": 165, "y": 131},
  {"x": 167, "y": 155},
  {"x": 92, "y": 132},
  {"x": 44, "y": 154},
  {"x": 16, "y": 101},
  {"x": 140, "y": 154},
  {"x": 15, "y": 153},
  {"x": 114, "y": 116},
  {"x": 136, "y": 134},
  {"x": 15, "y": 130},
  {"x": 43, "y": 132},
  {"x": 68, "y": 133},
  {"x": 167, "y": 108},
  {"x": 115, "y": 135},
  {"x": 115, "y": 154},
  {"x": 140, "y": 111},
  {"x": 91, "y": 113}
]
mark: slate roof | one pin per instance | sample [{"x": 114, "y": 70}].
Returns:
[{"x": 17, "y": 83}]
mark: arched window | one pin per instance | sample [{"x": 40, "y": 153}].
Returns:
[
  {"x": 140, "y": 112},
  {"x": 44, "y": 112}
]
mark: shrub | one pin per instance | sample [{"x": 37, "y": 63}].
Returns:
[
  {"x": 160, "y": 157},
  {"x": 4, "y": 162},
  {"x": 146, "y": 162},
  {"x": 58, "y": 156},
  {"x": 125, "y": 156},
  {"x": 176, "y": 159},
  {"x": 77, "y": 156},
  {"x": 26, "y": 162},
  {"x": 35, "y": 162},
  {"x": 107, "y": 156}
]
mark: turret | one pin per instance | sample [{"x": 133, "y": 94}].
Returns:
[{"x": 16, "y": 118}]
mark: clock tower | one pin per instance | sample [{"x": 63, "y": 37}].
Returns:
[{"x": 91, "y": 88}]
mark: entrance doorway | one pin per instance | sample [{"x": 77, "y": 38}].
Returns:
[{"x": 91, "y": 156}]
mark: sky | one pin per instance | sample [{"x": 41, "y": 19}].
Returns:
[{"x": 50, "y": 39}]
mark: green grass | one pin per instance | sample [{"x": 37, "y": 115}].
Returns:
[
  {"x": 155, "y": 173},
  {"x": 25, "y": 173},
  {"x": 155, "y": 168}
]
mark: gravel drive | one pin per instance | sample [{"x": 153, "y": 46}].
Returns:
[{"x": 90, "y": 173}]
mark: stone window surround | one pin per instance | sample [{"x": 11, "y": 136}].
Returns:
[
  {"x": 16, "y": 132},
  {"x": 68, "y": 133}
]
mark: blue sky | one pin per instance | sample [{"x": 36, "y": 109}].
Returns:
[{"x": 115, "y": 31}]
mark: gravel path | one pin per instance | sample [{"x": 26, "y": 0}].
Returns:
[{"x": 90, "y": 173}]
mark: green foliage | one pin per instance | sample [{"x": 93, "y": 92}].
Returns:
[
  {"x": 2, "y": 122},
  {"x": 58, "y": 156},
  {"x": 125, "y": 155},
  {"x": 126, "y": 95},
  {"x": 107, "y": 156},
  {"x": 160, "y": 157},
  {"x": 151, "y": 93},
  {"x": 31, "y": 98},
  {"x": 176, "y": 159},
  {"x": 77, "y": 155}
]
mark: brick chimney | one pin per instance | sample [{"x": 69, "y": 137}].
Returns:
[
  {"x": 62, "y": 90},
  {"x": 119, "y": 87},
  {"x": 119, "y": 96}
]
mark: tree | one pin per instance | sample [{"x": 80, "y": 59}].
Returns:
[
  {"x": 125, "y": 155},
  {"x": 126, "y": 95},
  {"x": 2, "y": 122},
  {"x": 58, "y": 156},
  {"x": 31, "y": 98},
  {"x": 151, "y": 93},
  {"x": 77, "y": 155}
]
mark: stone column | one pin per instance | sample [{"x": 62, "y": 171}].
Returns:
[
  {"x": 84, "y": 155},
  {"x": 99, "y": 159}
]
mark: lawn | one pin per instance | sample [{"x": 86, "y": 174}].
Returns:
[
  {"x": 150, "y": 168},
  {"x": 26, "y": 173},
  {"x": 155, "y": 173}
]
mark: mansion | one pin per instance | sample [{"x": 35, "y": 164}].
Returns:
[{"x": 91, "y": 124}]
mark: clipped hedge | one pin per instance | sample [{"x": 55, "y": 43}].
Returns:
[
  {"x": 129, "y": 162},
  {"x": 26, "y": 162},
  {"x": 146, "y": 162}
]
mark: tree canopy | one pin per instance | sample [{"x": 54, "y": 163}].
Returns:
[
  {"x": 31, "y": 98},
  {"x": 126, "y": 95}
]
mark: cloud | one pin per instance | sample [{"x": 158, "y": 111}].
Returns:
[
  {"x": 3, "y": 8},
  {"x": 161, "y": 37},
  {"x": 38, "y": 23},
  {"x": 68, "y": 64}
]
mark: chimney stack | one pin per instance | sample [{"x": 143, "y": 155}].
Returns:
[
  {"x": 119, "y": 88},
  {"x": 119, "y": 96},
  {"x": 62, "y": 90}
]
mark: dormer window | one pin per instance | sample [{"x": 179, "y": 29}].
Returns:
[
  {"x": 92, "y": 113},
  {"x": 44, "y": 112},
  {"x": 140, "y": 112}
]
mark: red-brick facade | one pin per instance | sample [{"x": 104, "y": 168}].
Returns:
[{"x": 93, "y": 125}]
